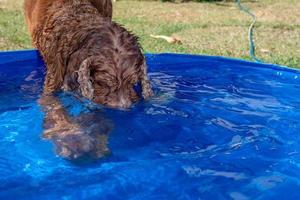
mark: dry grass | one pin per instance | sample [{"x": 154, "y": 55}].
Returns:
[{"x": 204, "y": 28}]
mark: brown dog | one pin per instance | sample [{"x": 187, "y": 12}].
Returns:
[
  {"x": 85, "y": 52},
  {"x": 88, "y": 54}
]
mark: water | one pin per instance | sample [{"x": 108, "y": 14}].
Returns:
[{"x": 216, "y": 129}]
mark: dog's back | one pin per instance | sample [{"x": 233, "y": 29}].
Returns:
[{"x": 35, "y": 10}]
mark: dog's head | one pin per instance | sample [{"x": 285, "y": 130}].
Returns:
[
  {"x": 112, "y": 77},
  {"x": 114, "y": 86}
]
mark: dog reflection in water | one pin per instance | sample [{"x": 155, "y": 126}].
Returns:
[{"x": 75, "y": 138}]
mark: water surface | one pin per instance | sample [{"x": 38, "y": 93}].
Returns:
[{"x": 216, "y": 129}]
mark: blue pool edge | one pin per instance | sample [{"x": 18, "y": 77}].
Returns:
[{"x": 24, "y": 55}]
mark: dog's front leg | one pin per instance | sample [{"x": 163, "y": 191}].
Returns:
[
  {"x": 85, "y": 135},
  {"x": 57, "y": 120}
]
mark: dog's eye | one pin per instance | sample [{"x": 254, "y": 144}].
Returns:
[{"x": 138, "y": 88}]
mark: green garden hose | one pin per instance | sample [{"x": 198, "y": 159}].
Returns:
[{"x": 250, "y": 32}]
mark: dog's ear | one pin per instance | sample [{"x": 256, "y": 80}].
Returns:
[
  {"x": 145, "y": 82},
  {"x": 84, "y": 79}
]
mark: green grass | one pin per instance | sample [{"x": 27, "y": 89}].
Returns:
[{"x": 204, "y": 28}]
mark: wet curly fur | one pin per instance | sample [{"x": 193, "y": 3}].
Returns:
[{"x": 85, "y": 52}]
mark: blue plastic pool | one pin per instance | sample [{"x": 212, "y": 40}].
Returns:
[{"x": 216, "y": 129}]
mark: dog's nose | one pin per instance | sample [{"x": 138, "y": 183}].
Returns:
[
  {"x": 124, "y": 103},
  {"x": 121, "y": 103}
]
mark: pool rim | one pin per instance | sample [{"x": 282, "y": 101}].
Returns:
[{"x": 30, "y": 54}]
